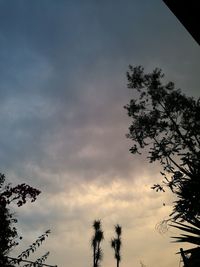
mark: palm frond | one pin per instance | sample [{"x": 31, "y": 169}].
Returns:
[
  {"x": 97, "y": 225},
  {"x": 118, "y": 229},
  {"x": 189, "y": 229},
  {"x": 193, "y": 229},
  {"x": 112, "y": 242},
  {"x": 188, "y": 239}
]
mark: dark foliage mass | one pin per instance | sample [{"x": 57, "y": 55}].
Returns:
[
  {"x": 116, "y": 243},
  {"x": 8, "y": 232},
  {"x": 96, "y": 243},
  {"x": 166, "y": 123}
]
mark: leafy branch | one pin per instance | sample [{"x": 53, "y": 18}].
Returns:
[{"x": 32, "y": 248}]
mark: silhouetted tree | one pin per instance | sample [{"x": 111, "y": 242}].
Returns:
[
  {"x": 31, "y": 249},
  {"x": 8, "y": 232},
  {"x": 191, "y": 257},
  {"x": 96, "y": 243},
  {"x": 166, "y": 123},
  {"x": 116, "y": 243}
]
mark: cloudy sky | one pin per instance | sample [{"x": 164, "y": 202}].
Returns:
[{"x": 63, "y": 125}]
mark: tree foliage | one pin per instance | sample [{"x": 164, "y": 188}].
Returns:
[
  {"x": 38, "y": 262},
  {"x": 191, "y": 257},
  {"x": 116, "y": 243},
  {"x": 31, "y": 249},
  {"x": 8, "y": 232},
  {"x": 166, "y": 123},
  {"x": 96, "y": 243},
  {"x": 193, "y": 227}
]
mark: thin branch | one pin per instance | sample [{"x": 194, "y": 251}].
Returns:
[
  {"x": 178, "y": 131},
  {"x": 15, "y": 260}
]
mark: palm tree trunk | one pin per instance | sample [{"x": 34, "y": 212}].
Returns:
[
  {"x": 96, "y": 262},
  {"x": 117, "y": 262},
  {"x": 94, "y": 254}
]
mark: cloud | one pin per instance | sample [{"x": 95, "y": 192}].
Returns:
[
  {"x": 70, "y": 214},
  {"x": 63, "y": 126}
]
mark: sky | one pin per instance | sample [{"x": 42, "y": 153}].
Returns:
[{"x": 62, "y": 91}]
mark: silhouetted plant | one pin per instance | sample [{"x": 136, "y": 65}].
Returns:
[
  {"x": 168, "y": 123},
  {"x": 96, "y": 243},
  {"x": 191, "y": 257},
  {"x": 193, "y": 228},
  {"x": 116, "y": 243},
  {"x": 8, "y": 232},
  {"x": 31, "y": 249},
  {"x": 38, "y": 262}
]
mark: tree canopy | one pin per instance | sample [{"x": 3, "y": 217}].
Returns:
[
  {"x": 166, "y": 124},
  {"x": 9, "y": 237},
  {"x": 8, "y": 232}
]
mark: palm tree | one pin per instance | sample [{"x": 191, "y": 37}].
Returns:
[
  {"x": 116, "y": 243},
  {"x": 192, "y": 228},
  {"x": 96, "y": 242}
]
